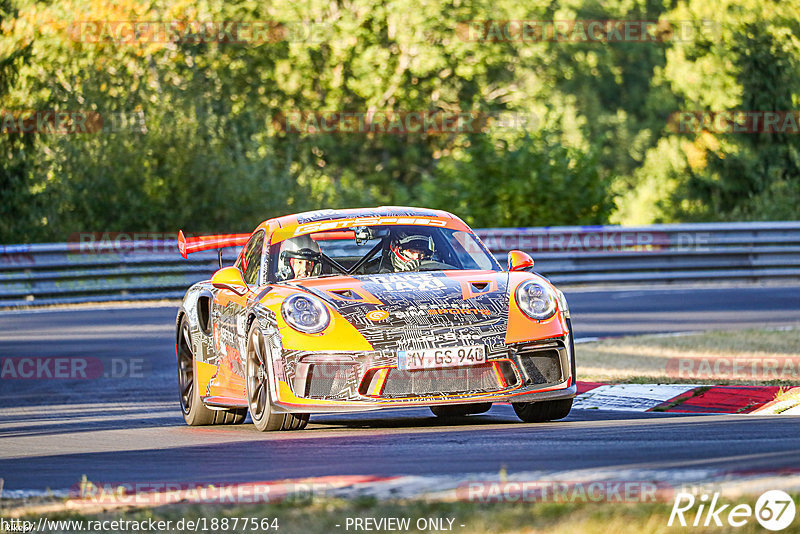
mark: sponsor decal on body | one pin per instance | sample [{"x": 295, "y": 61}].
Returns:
[
  {"x": 378, "y": 315},
  {"x": 367, "y": 221},
  {"x": 458, "y": 311},
  {"x": 410, "y": 282}
]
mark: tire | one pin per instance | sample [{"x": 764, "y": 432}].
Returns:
[
  {"x": 539, "y": 412},
  {"x": 195, "y": 413},
  {"x": 258, "y": 390},
  {"x": 461, "y": 410}
]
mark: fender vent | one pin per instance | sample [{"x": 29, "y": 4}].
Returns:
[
  {"x": 346, "y": 294},
  {"x": 204, "y": 313}
]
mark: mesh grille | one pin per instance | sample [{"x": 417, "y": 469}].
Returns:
[
  {"x": 326, "y": 380},
  {"x": 542, "y": 366},
  {"x": 433, "y": 381}
]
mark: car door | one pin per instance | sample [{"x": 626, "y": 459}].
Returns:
[{"x": 229, "y": 311}]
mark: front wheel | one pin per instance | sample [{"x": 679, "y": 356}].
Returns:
[
  {"x": 258, "y": 393},
  {"x": 539, "y": 412},
  {"x": 195, "y": 413}
]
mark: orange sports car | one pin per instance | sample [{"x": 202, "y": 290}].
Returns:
[{"x": 362, "y": 309}]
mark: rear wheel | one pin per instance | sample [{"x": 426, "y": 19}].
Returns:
[
  {"x": 460, "y": 410},
  {"x": 195, "y": 413},
  {"x": 539, "y": 412},
  {"x": 258, "y": 391}
]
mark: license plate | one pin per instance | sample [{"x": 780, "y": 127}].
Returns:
[{"x": 409, "y": 360}]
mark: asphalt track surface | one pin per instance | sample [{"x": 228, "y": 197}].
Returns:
[{"x": 125, "y": 426}]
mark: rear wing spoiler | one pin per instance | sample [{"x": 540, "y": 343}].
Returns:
[{"x": 187, "y": 245}]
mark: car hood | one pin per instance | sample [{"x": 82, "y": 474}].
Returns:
[{"x": 403, "y": 311}]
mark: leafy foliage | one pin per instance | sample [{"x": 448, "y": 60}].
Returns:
[{"x": 190, "y": 139}]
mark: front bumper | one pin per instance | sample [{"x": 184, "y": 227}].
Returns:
[{"x": 314, "y": 382}]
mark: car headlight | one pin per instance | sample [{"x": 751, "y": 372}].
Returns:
[
  {"x": 305, "y": 313},
  {"x": 535, "y": 300}
]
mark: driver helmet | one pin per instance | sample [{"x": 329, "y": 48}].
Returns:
[
  {"x": 408, "y": 250},
  {"x": 299, "y": 258}
]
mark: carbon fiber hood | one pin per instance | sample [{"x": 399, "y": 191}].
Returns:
[{"x": 401, "y": 311}]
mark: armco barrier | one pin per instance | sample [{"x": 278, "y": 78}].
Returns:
[{"x": 588, "y": 255}]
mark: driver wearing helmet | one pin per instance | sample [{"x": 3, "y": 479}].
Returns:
[
  {"x": 408, "y": 251},
  {"x": 299, "y": 258}
]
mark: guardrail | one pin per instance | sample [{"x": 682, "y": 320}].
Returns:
[{"x": 55, "y": 273}]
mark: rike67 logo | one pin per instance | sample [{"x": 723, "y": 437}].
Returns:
[{"x": 774, "y": 510}]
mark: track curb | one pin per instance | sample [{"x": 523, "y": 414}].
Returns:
[{"x": 688, "y": 398}]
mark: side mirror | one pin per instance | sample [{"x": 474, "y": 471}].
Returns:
[
  {"x": 229, "y": 278},
  {"x": 519, "y": 261}
]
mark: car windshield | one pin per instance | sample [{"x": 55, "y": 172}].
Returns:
[{"x": 377, "y": 249}]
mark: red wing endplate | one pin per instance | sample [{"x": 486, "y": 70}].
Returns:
[{"x": 187, "y": 245}]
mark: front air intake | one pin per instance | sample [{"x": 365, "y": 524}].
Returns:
[
  {"x": 326, "y": 380},
  {"x": 543, "y": 364}
]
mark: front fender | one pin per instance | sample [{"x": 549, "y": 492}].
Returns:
[{"x": 520, "y": 327}]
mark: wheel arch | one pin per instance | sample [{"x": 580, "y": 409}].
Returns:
[
  {"x": 251, "y": 317},
  {"x": 178, "y": 320}
]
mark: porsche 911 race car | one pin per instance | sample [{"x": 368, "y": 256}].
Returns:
[{"x": 362, "y": 309}]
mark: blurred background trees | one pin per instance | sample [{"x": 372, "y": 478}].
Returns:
[{"x": 193, "y": 143}]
